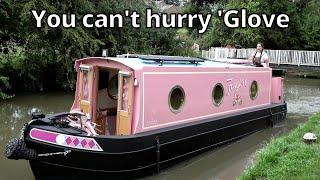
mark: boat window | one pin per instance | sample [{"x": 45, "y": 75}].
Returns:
[
  {"x": 254, "y": 90},
  {"x": 217, "y": 94},
  {"x": 113, "y": 87},
  {"x": 176, "y": 99}
]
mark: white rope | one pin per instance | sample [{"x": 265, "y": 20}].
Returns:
[{"x": 56, "y": 153}]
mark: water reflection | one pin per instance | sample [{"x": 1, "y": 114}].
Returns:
[
  {"x": 302, "y": 96},
  {"x": 17, "y": 111}
]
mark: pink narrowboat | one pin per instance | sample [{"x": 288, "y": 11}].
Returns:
[{"x": 141, "y": 113}]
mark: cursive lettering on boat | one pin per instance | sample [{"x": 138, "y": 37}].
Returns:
[{"x": 235, "y": 86}]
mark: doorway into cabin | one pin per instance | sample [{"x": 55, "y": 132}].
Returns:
[
  {"x": 107, "y": 100},
  {"x": 114, "y": 101}
]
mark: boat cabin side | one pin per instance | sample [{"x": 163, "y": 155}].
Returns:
[
  {"x": 180, "y": 95},
  {"x": 125, "y": 100}
]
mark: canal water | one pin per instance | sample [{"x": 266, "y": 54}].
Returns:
[{"x": 226, "y": 162}]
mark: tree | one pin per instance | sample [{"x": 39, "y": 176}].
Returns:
[
  {"x": 302, "y": 33},
  {"x": 49, "y": 53},
  {"x": 310, "y": 28}
]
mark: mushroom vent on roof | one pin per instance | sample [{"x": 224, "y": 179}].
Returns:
[{"x": 170, "y": 59}]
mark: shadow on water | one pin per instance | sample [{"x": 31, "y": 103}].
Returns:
[{"x": 227, "y": 162}]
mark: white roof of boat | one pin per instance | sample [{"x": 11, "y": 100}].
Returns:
[{"x": 137, "y": 63}]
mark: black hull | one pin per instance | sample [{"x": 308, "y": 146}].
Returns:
[{"x": 151, "y": 151}]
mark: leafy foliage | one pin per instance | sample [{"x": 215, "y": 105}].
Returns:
[
  {"x": 302, "y": 34},
  {"x": 43, "y": 58},
  {"x": 37, "y": 59},
  {"x": 12, "y": 56},
  {"x": 4, "y": 83},
  {"x": 310, "y": 30}
]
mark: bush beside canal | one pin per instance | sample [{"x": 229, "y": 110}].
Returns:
[{"x": 289, "y": 157}]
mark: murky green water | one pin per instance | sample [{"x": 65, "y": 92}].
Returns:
[
  {"x": 227, "y": 162},
  {"x": 13, "y": 114}
]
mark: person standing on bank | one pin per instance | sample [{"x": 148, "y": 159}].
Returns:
[{"x": 260, "y": 57}]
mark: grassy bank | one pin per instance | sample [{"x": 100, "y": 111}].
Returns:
[{"x": 289, "y": 157}]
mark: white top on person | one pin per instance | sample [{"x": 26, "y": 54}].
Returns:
[{"x": 259, "y": 57}]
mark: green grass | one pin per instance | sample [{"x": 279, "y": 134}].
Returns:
[{"x": 289, "y": 157}]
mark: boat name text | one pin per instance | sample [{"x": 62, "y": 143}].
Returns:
[{"x": 235, "y": 87}]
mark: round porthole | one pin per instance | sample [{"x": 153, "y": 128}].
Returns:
[
  {"x": 254, "y": 90},
  {"x": 113, "y": 87},
  {"x": 217, "y": 94},
  {"x": 176, "y": 99}
]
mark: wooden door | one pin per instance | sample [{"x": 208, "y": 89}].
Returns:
[
  {"x": 125, "y": 99},
  {"x": 86, "y": 87}
]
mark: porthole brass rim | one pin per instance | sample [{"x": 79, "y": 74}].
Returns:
[
  {"x": 212, "y": 95},
  {"x": 184, "y": 99},
  {"x": 250, "y": 91}
]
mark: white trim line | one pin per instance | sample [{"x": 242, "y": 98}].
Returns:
[
  {"x": 243, "y": 72},
  {"x": 143, "y": 101}
]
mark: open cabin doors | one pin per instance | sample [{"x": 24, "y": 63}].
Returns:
[
  {"x": 86, "y": 98},
  {"x": 85, "y": 93},
  {"x": 125, "y": 99}
]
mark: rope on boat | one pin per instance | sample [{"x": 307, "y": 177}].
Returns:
[
  {"x": 23, "y": 129},
  {"x": 65, "y": 153},
  {"x": 17, "y": 149},
  {"x": 271, "y": 118},
  {"x": 158, "y": 154}
]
